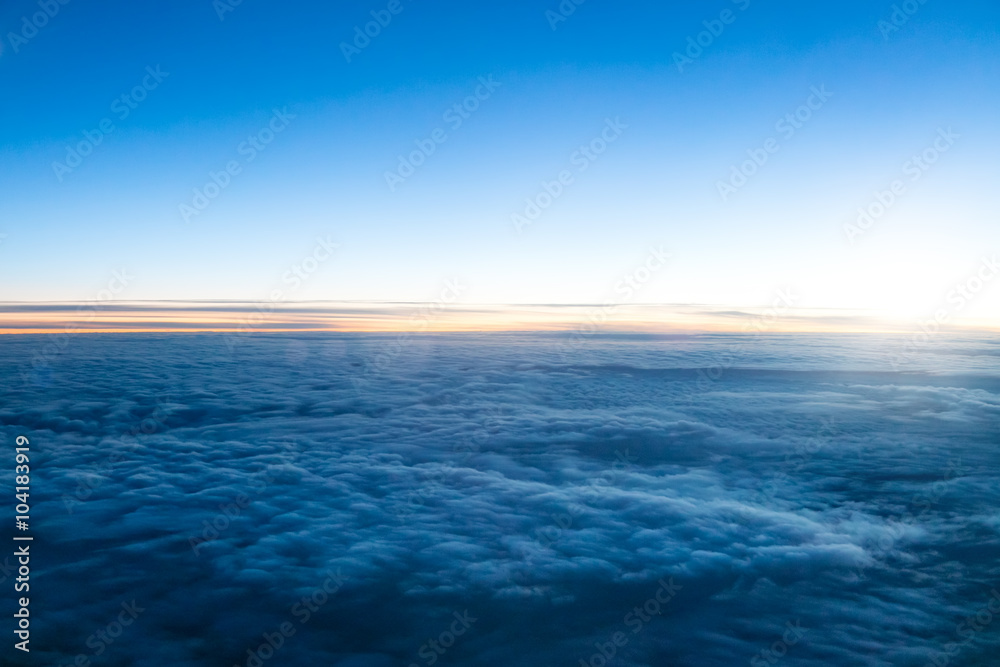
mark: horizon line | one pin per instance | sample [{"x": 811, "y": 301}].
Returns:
[{"x": 236, "y": 316}]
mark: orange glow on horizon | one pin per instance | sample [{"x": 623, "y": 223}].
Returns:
[{"x": 227, "y": 317}]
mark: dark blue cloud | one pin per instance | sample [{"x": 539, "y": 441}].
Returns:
[{"x": 294, "y": 482}]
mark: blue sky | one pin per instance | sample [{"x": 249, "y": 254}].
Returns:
[{"x": 345, "y": 124}]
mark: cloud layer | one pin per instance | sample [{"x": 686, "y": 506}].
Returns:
[
  {"x": 509, "y": 499},
  {"x": 446, "y": 314}
]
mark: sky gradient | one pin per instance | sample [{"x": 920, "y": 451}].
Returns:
[{"x": 302, "y": 131}]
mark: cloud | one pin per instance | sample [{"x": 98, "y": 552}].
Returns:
[
  {"x": 488, "y": 474},
  {"x": 656, "y": 321}
]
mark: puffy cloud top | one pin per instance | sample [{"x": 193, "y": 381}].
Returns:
[{"x": 508, "y": 499}]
